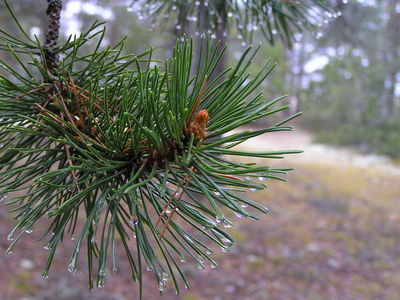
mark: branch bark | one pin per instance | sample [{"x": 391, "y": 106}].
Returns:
[{"x": 53, "y": 32}]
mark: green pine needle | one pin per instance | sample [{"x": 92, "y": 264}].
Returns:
[
  {"x": 122, "y": 153},
  {"x": 277, "y": 20}
]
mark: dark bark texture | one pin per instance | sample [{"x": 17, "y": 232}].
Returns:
[{"x": 53, "y": 31}]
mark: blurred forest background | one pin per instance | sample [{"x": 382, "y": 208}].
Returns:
[
  {"x": 333, "y": 230},
  {"x": 344, "y": 77}
]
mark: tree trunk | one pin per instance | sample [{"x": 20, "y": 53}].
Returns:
[{"x": 391, "y": 58}]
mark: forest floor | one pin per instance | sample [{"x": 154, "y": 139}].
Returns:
[{"x": 332, "y": 233}]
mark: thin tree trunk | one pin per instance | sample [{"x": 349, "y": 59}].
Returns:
[
  {"x": 202, "y": 28},
  {"x": 391, "y": 61},
  {"x": 220, "y": 36}
]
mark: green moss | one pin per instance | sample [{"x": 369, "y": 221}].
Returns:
[
  {"x": 238, "y": 235},
  {"x": 20, "y": 283},
  {"x": 256, "y": 264}
]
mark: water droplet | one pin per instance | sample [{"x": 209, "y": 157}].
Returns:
[
  {"x": 29, "y": 230},
  {"x": 100, "y": 283},
  {"x": 214, "y": 265},
  {"x": 227, "y": 244},
  {"x": 186, "y": 237},
  {"x": 162, "y": 286},
  {"x": 178, "y": 26},
  {"x": 3, "y": 196},
  {"x": 217, "y": 193},
  {"x": 209, "y": 252},
  {"x": 265, "y": 209},
  {"x": 219, "y": 219},
  {"x": 73, "y": 237},
  {"x": 197, "y": 3},
  {"x": 227, "y": 223},
  {"x": 10, "y": 237},
  {"x": 230, "y": 15},
  {"x": 149, "y": 268},
  {"x": 182, "y": 258},
  {"x": 187, "y": 286},
  {"x": 134, "y": 222},
  {"x": 200, "y": 266},
  {"x": 240, "y": 36},
  {"x": 45, "y": 275},
  {"x": 253, "y": 189},
  {"x": 174, "y": 7},
  {"x": 248, "y": 178},
  {"x": 201, "y": 259},
  {"x": 9, "y": 251},
  {"x": 164, "y": 276},
  {"x": 47, "y": 247},
  {"x": 168, "y": 211},
  {"x": 213, "y": 36},
  {"x": 239, "y": 215},
  {"x": 244, "y": 205},
  {"x": 224, "y": 249},
  {"x": 72, "y": 268},
  {"x": 192, "y": 19},
  {"x": 243, "y": 44},
  {"x": 261, "y": 178}
]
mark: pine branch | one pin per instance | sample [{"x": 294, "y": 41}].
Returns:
[
  {"x": 277, "y": 20},
  {"x": 54, "y": 12},
  {"x": 119, "y": 153}
]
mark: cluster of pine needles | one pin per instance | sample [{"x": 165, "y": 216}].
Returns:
[{"x": 124, "y": 151}]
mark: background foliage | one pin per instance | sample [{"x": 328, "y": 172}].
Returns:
[{"x": 360, "y": 76}]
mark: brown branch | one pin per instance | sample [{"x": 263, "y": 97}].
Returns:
[
  {"x": 29, "y": 93},
  {"x": 173, "y": 212},
  {"x": 185, "y": 183},
  {"x": 53, "y": 32},
  {"x": 70, "y": 163},
  {"x": 230, "y": 177},
  {"x": 86, "y": 97}
]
